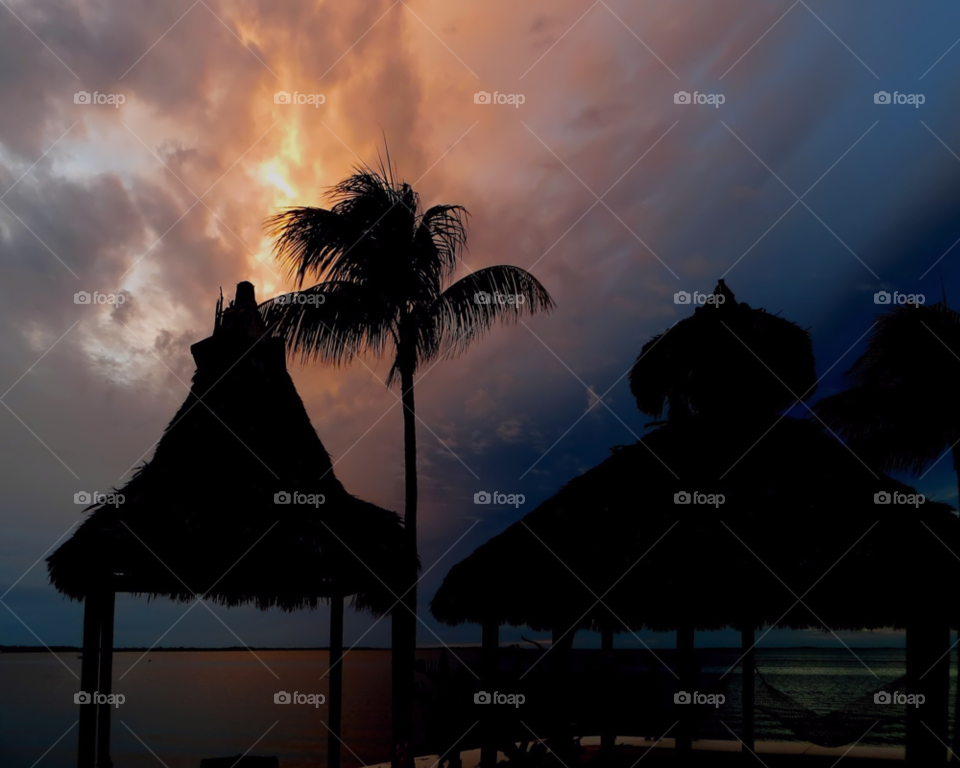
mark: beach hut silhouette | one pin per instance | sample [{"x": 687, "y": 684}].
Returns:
[
  {"x": 798, "y": 520},
  {"x": 229, "y": 510}
]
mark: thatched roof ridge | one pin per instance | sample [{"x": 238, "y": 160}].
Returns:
[{"x": 710, "y": 363}]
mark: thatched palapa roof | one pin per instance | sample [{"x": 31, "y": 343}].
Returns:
[
  {"x": 799, "y": 519},
  {"x": 201, "y": 514}
]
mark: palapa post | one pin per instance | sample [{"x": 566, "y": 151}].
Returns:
[
  {"x": 608, "y": 733},
  {"x": 107, "y": 606},
  {"x": 335, "y": 661},
  {"x": 490, "y": 642},
  {"x": 89, "y": 675},
  {"x": 748, "y": 684},
  {"x": 687, "y": 671}
]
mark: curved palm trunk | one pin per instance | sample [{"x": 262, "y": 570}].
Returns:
[{"x": 404, "y": 624}]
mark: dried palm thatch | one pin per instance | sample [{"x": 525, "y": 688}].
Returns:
[
  {"x": 798, "y": 521},
  {"x": 201, "y": 518},
  {"x": 799, "y": 518},
  {"x": 710, "y": 363}
]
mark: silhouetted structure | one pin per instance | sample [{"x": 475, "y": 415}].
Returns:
[
  {"x": 384, "y": 264},
  {"x": 901, "y": 409},
  {"x": 797, "y": 542},
  {"x": 210, "y": 516}
]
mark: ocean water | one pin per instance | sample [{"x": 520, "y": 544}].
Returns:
[
  {"x": 181, "y": 707},
  {"x": 823, "y": 680}
]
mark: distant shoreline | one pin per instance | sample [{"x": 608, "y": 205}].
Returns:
[{"x": 76, "y": 649}]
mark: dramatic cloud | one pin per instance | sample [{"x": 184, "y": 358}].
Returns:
[{"x": 162, "y": 199}]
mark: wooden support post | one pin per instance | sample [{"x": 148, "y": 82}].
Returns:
[
  {"x": 108, "y": 602},
  {"x": 956, "y": 709},
  {"x": 748, "y": 684},
  {"x": 608, "y": 731},
  {"x": 928, "y": 674},
  {"x": 403, "y": 654},
  {"x": 686, "y": 668},
  {"x": 335, "y": 660},
  {"x": 490, "y": 642},
  {"x": 89, "y": 673},
  {"x": 561, "y": 652}
]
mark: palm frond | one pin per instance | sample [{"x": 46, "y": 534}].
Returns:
[
  {"x": 307, "y": 240},
  {"x": 901, "y": 407},
  {"x": 883, "y": 431},
  {"x": 441, "y": 237},
  {"x": 472, "y": 305},
  {"x": 331, "y": 322}
]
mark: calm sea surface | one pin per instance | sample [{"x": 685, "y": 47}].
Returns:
[{"x": 186, "y": 706}]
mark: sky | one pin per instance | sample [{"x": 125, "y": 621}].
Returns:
[{"x": 801, "y": 190}]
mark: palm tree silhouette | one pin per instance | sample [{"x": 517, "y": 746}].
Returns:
[
  {"x": 384, "y": 267},
  {"x": 901, "y": 408}
]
